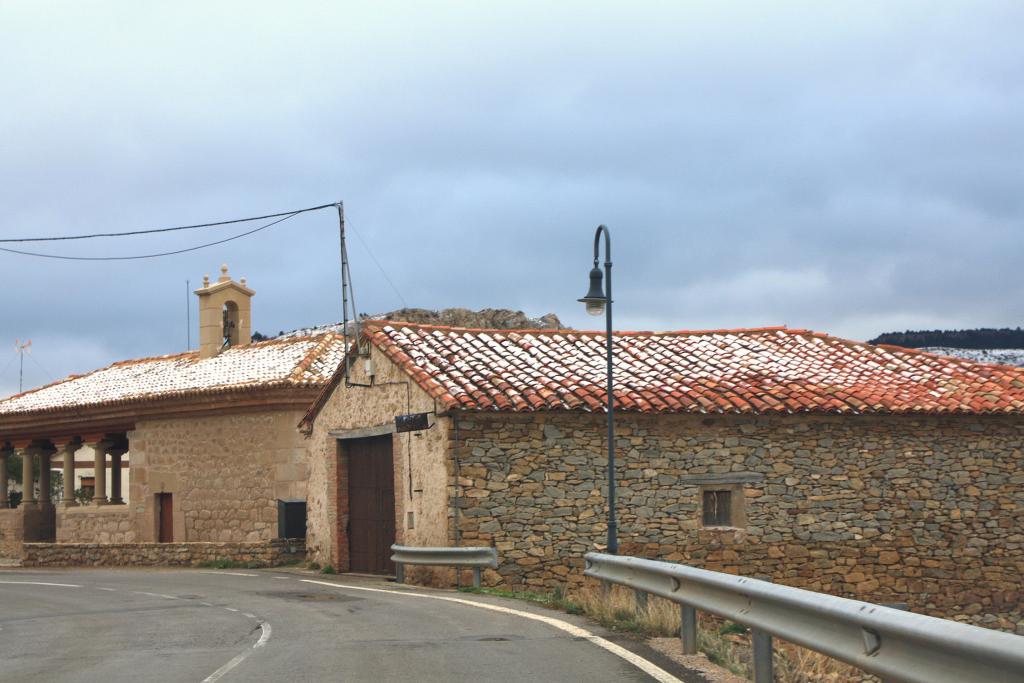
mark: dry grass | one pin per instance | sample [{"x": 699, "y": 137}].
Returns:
[
  {"x": 795, "y": 664},
  {"x": 724, "y": 643}
]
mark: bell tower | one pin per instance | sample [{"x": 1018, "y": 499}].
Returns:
[{"x": 225, "y": 314}]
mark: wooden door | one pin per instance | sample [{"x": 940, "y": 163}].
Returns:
[
  {"x": 371, "y": 491},
  {"x": 165, "y": 510}
]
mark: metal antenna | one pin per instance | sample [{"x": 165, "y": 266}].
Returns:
[{"x": 22, "y": 348}]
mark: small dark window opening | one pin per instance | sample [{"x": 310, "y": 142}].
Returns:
[
  {"x": 291, "y": 519},
  {"x": 718, "y": 508}
]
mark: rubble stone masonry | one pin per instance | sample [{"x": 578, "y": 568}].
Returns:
[
  {"x": 263, "y": 554},
  {"x": 886, "y": 509}
]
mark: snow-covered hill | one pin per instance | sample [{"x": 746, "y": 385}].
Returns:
[{"x": 999, "y": 356}]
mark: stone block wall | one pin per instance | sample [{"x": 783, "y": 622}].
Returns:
[
  {"x": 10, "y": 533},
  {"x": 420, "y": 462},
  {"x": 224, "y": 472},
  {"x": 88, "y": 524},
  {"x": 887, "y": 509},
  {"x": 264, "y": 554}
]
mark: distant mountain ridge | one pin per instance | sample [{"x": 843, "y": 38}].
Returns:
[{"x": 984, "y": 338}]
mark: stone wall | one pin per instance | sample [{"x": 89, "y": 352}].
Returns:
[
  {"x": 225, "y": 474},
  {"x": 10, "y": 533},
  {"x": 89, "y": 524},
  {"x": 421, "y": 472},
  {"x": 919, "y": 510},
  {"x": 263, "y": 554}
]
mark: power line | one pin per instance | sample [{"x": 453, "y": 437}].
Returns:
[
  {"x": 381, "y": 268},
  {"x": 47, "y": 372},
  {"x": 157, "y": 255},
  {"x": 150, "y": 231}
]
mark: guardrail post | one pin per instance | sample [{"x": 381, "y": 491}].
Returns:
[
  {"x": 688, "y": 629},
  {"x": 762, "y": 642},
  {"x": 641, "y": 601},
  {"x": 762, "y": 656},
  {"x": 399, "y": 572},
  {"x": 476, "y": 577}
]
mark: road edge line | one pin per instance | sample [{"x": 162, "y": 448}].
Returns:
[{"x": 649, "y": 668}]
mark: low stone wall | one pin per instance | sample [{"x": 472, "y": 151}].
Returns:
[
  {"x": 10, "y": 534},
  {"x": 261, "y": 553},
  {"x": 88, "y": 524}
]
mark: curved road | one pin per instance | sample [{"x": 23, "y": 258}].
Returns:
[{"x": 260, "y": 625}]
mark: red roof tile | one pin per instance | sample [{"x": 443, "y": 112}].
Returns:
[{"x": 767, "y": 370}]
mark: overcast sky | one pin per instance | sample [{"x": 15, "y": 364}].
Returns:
[{"x": 851, "y": 167}]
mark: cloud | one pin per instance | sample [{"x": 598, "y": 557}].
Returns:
[{"x": 844, "y": 169}]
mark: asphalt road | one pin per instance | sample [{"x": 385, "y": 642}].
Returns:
[{"x": 260, "y": 625}]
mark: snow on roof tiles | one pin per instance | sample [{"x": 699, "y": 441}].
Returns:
[
  {"x": 295, "y": 362},
  {"x": 767, "y": 370}
]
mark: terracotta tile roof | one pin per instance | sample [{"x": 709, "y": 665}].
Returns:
[
  {"x": 766, "y": 370},
  {"x": 295, "y": 362}
]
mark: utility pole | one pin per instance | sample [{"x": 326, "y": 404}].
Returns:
[{"x": 22, "y": 348}]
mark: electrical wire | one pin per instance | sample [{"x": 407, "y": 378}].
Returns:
[
  {"x": 45, "y": 371},
  {"x": 157, "y": 255},
  {"x": 151, "y": 231},
  {"x": 7, "y": 365},
  {"x": 379, "y": 267}
]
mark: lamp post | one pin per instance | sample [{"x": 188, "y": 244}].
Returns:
[{"x": 598, "y": 302}]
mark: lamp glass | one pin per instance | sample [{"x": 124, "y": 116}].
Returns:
[{"x": 595, "y": 308}]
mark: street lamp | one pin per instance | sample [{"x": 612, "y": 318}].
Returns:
[{"x": 598, "y": 302}]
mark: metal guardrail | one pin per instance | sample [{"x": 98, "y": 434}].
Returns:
[
  {"x": 477, "y": 558},
  {"x": 895, "y": 645}
]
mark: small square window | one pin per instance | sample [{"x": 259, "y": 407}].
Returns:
[{"x": 718, "y": 507}]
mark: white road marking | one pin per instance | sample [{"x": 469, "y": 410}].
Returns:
[
  {"x": 251, "y": 616},
  {"x": 43, "y": 583},
  {"x": 231, "y": 609},
  {"x": 206, "y": 604},
  {"x": 647, "y": 667},
  {"x": 283, "y": 578},
  {"x": 109, "y": 590},
  {"x": 264, "y": 637},
  {"x": 229, "y": 573},
  {"x": 156, "y": 595}
]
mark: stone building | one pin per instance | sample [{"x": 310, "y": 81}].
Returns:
[
  {"x": 209, "y": 439},
  {"x": 874, "y": 472}
]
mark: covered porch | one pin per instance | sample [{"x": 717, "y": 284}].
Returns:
[{"x": 42, "y": 506}]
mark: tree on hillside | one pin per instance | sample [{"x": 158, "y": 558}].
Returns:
[{"x": 981, "y": 338}]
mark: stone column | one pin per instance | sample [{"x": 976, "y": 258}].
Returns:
[
  {"x": 69, "y": 449},
  {"x": 4, "y": 502},
  {"x": 44, "y": 476},
  {"x": 28, "y": 485},
  {"x": 99, "y": 496},
  {"x": 115, "y": 477}
]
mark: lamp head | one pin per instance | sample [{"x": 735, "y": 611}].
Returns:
[{"x": 595, "y": 299}]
